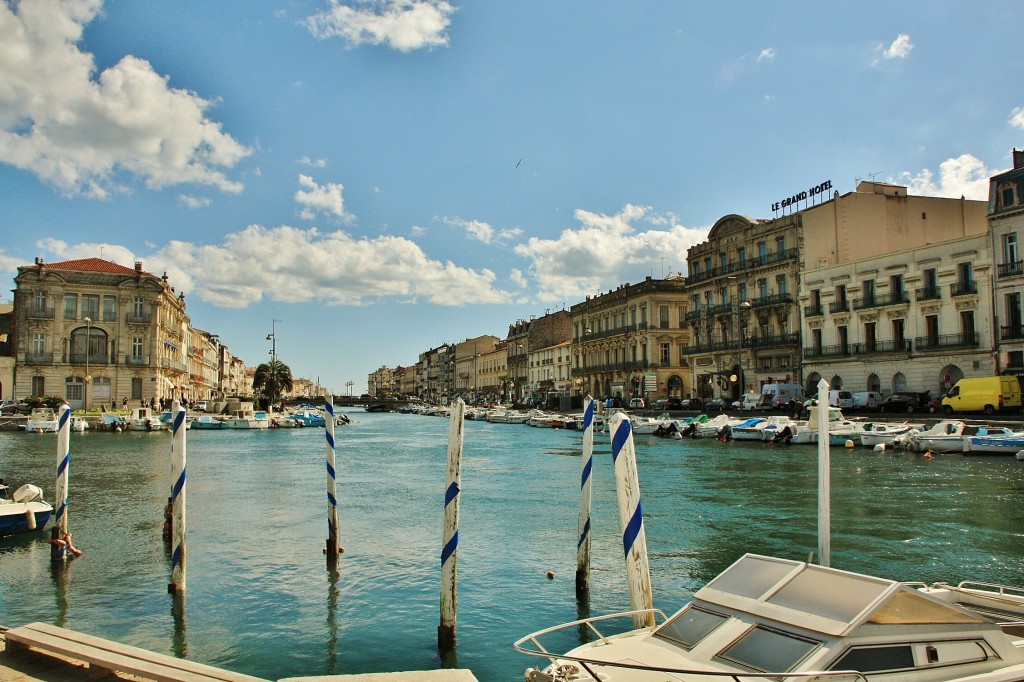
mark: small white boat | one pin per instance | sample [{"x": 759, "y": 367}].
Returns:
[
  {"x": 883, "y": 434},
  {"x": 765, "y": 618},
  {"x": 716, "y": 426},
  {"x": 206, "y": 422},
  {"x": 647, "y": 425},
  {"x": 23, "y": 511},
  {"x": 749, "y": 429},
  {"x": 945, "y": 436},
  {"x": 997, "y": 440},
  {"x": 247, "y": 418},
  {"x": 41, "y": 420},
  {"x": 79, "y": 424},
  {"x": 840, "y": 429},
  {"x": 144, "y": 419}
]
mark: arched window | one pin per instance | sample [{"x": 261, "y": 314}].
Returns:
[
  {"x": 874, "y": 383},
  {"x": 899, "y": 382},
  {"x": 812, "y": 384},
  {"x": 836, "y": 383},
  {"x": 91, "y": 341}
]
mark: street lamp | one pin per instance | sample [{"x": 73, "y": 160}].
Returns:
[
  {"x": 583, "y": 361},
  {"x": 745, "y": 307},
  {"x": 272, "y": 337},
  {"x": 85, "y": 389}
]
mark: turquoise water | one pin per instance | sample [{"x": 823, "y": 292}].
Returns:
[{"x": 259, "y": 599}]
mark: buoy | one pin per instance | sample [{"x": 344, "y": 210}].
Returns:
[
  {"x": 880, "y": 447},
  {"x": 849, "y": 443},
  {"x": 118, "y": 429},
  {"x": 30, "y": 518},
  {"x": 1020, "y": 456},
  {"x": 551, "y": 575},
  {"x": 928, "y": 455}
]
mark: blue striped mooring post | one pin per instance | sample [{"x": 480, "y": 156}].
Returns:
[
  {"x": 450, "y": 544},
  {"x": 586, "y": 494},
  {"x": 60, "y": 494},
  {"x": 178, "y": 430},
  {"x": 333, "y": 543},
  {"x": 631, "y": 515}
]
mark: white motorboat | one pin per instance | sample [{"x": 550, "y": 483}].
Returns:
[
  {"x": 996, "y": 440},
  {"x": 247, "y": 418},
  {"x": 749, "y": 429},
  {"x": 840, "y": 429},
  {"x": 880, "y": 433},
  {"x": 765, "y": 618},
  {"x": 945, "y": 436},
  {"x": 206, "y": 422},
  {"x": 647, "y": 425},
  {"x": 144, "y": 419},
  {"x": 79, "y": 424},
  {"x": 715, "y": 426},
  {"x": 41, "y": 420},
  {"x": 23, "y": 511}
]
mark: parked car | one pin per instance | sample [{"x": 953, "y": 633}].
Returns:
[
  {"x": 935, "y": 405},
  {"x": 906, "y": 401},
  {"x": 8, "y": 407},
  {"x": 691, "y": 404},
  {"x": 201, "y": 406},
  {"x": 636, "y": 403},
  {"x": 715, "y": 405}
]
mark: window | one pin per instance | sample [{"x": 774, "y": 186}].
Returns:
[
  {"x": 816, "y": 299},
  {"x": 870, "y": 338},
  {"x": 136, "y": 388},
  {"x": 91, "y": 306},
  {"x": 663, "y": 316},
  {"x": 841, "y": 295},
  {"x": 1013, "y": 310},
  {"x": 1011, "y": 248},
  {"x": 665, "y": 355},
  {"x": 741, "y": 292},
  {"x": 965, "y": 273},
  {"x": 780, "y": 284},
  {"x": 723, "y": 261},
  {"x": 682, "y": 317},
  {"x": 780, "y": 245},
  {"x": 137, "y": 347},
  {"x": 40, "y": 298},
  {"x": 138, "y": 306},
  {"x": 73, "y": 389},
  {"x": 768, "y": 650},
  {"x": 816, "y": 340},
  {"x": 70, "y": 306},
  {"x": 38, "y": 386},
  {"x": 931, "y": 326},
  {"x": 38, "y": 343},
  {"x": 691, "y": 626},
  {"x": 896, "y": 288},
  {"x": 967, "y": 324},
  {"x": 867, "y": 287},
  {"x": 695, "y": 269},
  {"x": 110, "y": 308},
  {"x": 762, "y": 287},
  {"x": 899, "y": 333},
  {"x": 762, "y": 252},
  {"x": 844, "y": 339},
  {"x": 707, "y": 264},
  {"x": 875, "y": 659},
  {"x": 741, "y": 256}
]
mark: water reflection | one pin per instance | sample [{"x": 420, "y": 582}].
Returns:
[
  {"x": 60, "y": 574},
  {"x": 332, "y": 622},
  {"x": 179, "y": 642}
]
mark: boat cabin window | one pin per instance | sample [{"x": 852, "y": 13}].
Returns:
[
  {"x": 690, "y": 626},
  {"x": 768, "y": 650},
  {"x": 869, "y": 659}
]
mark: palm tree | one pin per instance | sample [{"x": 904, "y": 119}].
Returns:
[{"x": 271, "y": 378}]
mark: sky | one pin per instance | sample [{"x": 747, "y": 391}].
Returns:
[{"x": 371, "y": 179}]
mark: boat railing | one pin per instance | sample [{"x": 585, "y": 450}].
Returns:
[
  {"x": 564, "y": 668},
  {"x": 1002, "y": 590}
]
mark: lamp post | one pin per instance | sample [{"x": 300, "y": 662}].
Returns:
[
  {"x": 583, "y": 360},
  {"x": 85, "y": 389},
  {"x": 272, "y": 337},
  {"x": 745, "y": 307}
]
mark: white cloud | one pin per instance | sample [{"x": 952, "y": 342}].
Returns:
[
  {"x": 405, "y": 25},
  {"x": 899, "y": 48},
  {"x": 189, "y": 201},
  {"x": 293, "y": 265},
  {"x": 321, "y": 199},
  {"x": 63, "y": 251},
  {"x": 767, "y": 54},
  {"x": 964, "y": 176},
  {"x": 518, "y": 278},
  {"x": 313, "y": 163},
  {"x": 1017, "y": 118},
  {"x": 605, "y": 251},
  {"x": 484, "y": 232},
  {"x": 79, "y": 131}
]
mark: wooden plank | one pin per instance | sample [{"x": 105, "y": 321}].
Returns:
[{"x": 105, "y": 655}]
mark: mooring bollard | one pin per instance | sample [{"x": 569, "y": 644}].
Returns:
[
  {"x": 631, "y": 515},
  {"x": 58, "y": 550},
  {"x": 450, "y": 546},
  {"x": 824, "y": 485},
  {"x": 586, "y": 495},
  {"x": 177, "y": 584},
  {"x": 333, "y": 543}
]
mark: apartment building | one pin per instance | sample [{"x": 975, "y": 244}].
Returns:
[
  {"x": 1006, "y": 221},
  {"x": 551, "y": 371},
  {"x": 475, "y": 366},
  {"x": 526, "y": 336},
  {"x": 632, "y": 341},
  {"x": 93, "y": 332},
  {"x": 913, "y": 320}
]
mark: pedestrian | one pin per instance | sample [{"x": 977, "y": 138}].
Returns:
[
  {"x": 124, "y": 403},
  {"x": 113, "y": 404}
]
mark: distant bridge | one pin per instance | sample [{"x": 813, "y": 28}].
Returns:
[{"x": 372, "y": 404}]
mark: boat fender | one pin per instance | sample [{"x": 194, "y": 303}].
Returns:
[
  {"x": 30, "y": 518},
  {"x": 551, "y": 575},
  {"x": 880, "y": 447},
  {"x": 849, "y": 443},
  {"x": 118, "y": 429},
  {"x": 928, "y": 455}
]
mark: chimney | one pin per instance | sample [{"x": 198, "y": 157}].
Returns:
[
  {"x": 138, "y": 266},
  {"x": 39, "y": 260},
  {"x": 1018, "y": 159}
]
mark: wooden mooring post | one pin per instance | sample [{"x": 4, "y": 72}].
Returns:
[
  {"x": 586, "y": 495},
  {"x": 58, "y": 551},
  {"x": 333, "y": 543},
  {"x": 178, "y": 430},
  {"x": 450, "y": 544},
  {"x": 631, "y": 515}
]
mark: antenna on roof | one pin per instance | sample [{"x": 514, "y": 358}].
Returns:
[{"x": 872, "y": 175}]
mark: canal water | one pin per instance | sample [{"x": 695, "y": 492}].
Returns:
[{"x": 259, "y": 599}]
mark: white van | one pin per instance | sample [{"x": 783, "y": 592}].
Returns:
[
  {"x": 841, "y": 399},
  {"x": 866, "y": 400},
  {"x": 777, "y": 396}
]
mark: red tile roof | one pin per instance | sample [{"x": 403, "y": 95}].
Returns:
[{"x": 92, "y": 265}]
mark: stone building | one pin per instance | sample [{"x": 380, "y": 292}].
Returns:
[
  {"x": 551, "y": 371},
  {"x": 523, "y": 338},
  {"x": 93, "y": 332},
  {"x": 632, "y": 341},
  {"x": 471, "y": 378},
  {"x": 1006, "y": 220}
]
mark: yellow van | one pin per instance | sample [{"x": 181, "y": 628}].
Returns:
[{"x": 984, "y": 394}]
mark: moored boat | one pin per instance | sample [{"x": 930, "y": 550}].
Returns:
[
  {"x": 880, "y": 433},
  {"x": 144, "y": 419},
  {"x": 23, "y": 511},
  {"x": 995, "y": 441},
  {"x": 40, "y": 420},
  {"x": 206, "y": 422}
]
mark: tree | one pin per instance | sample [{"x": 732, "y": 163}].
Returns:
[{"x": 271, "y": 379}]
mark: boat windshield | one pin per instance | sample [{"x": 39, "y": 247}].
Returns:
[
  {"x": 768, "y": 650},
  {"x": 690, "y": 626}
]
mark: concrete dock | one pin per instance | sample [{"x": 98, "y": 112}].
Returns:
[{"x": 39, "y": 666}]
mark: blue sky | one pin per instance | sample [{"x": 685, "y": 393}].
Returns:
[{"x": 383, "y": 177}]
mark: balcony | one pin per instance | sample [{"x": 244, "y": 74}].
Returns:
[
  {"x": 93, "y": 358},
  {"x": 963, "y": 288},
  {"x": 136, "y": 360},
  {"x": 1012, "y": 332},
  {"x": 692, "y": 315},
  {"x": 139, "y": 318},
  {"x": 927, "y": 294},
  {"x": 792, "y": 339},
  {"x": 881, "y": 300},
  {"x": 839, "y": 307},
  {"x": 171, "y": 364},
  {"x": 946, "y": 341},
  {"x": 747, "y": 264},
  {"x": 720, "y": 309},
  {"x": 874, "y": 347},
  {"x": 774, "y": 299},
  {"x": 814, "y": 311},
  {"x": 38, "y": 358},
  {"x": 34, "y": 313},
  {"x": 1015, "y": 269},
  {"x": 828, "y": 352}
]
